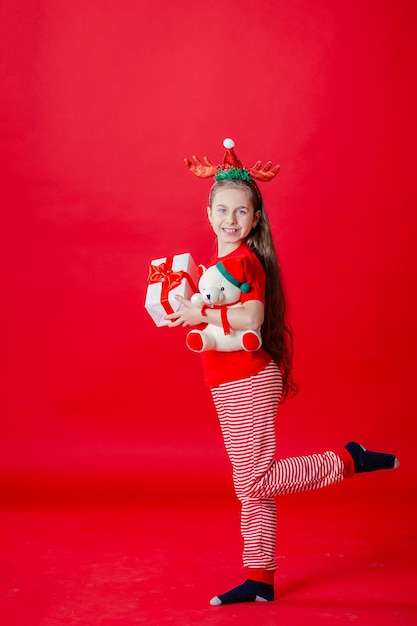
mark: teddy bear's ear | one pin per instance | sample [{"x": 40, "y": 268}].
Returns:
[{"x": 201, "y": 269}]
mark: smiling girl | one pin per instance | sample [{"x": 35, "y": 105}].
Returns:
[{"x": 247, "y": 386}]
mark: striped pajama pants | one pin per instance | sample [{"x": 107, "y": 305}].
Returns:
[{"x": 247, "y": 410}]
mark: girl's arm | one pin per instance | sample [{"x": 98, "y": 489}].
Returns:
[{"x": 249, "y": 316}]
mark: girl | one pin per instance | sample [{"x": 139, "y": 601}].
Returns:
[{"x": 247, "y": 386}]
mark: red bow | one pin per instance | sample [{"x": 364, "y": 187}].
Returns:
[{"x": 164, "y": 274}]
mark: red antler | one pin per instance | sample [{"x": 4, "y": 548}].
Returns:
[
  {"x": 265, "y": 173},
  {"x": 199, "y": 169}
]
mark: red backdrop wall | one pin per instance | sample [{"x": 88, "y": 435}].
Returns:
[{"x": 100, "y": 103}]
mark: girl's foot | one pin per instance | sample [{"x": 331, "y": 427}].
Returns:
[
  {"x": 366, "y": 461},
  {"x": 249, "y": 591}
]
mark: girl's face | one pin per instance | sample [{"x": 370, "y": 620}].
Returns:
[{"x": 232, "y": 218}]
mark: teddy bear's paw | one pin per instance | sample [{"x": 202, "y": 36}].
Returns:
[
  {"x": 251, "y": 341},
  {"x": 194, "y": 341}
]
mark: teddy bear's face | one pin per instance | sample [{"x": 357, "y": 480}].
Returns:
[{"x": 216, "y": 289}]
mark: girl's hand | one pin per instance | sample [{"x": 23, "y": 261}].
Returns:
[
  {"x": 188, "y": 315},
  {"x": 249, "y": 316}
]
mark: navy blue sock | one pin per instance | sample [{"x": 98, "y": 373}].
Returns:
[
  {"x": 249, "y": 591},
  {"x": 367, "y": 461}
]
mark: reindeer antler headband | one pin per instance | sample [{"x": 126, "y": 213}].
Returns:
[{"x": 231, "y": 167}]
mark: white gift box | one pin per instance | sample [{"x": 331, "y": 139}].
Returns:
[{"x": 168, "y": 277}]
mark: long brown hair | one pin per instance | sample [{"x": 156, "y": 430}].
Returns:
[{"x": 277, "y": 338}]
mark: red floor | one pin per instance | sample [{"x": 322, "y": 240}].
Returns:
[{"x": 347, "y": 555}]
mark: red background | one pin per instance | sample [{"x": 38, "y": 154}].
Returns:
[{"x": 100, "y": 103}]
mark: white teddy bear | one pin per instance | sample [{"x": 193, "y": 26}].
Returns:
[{"x": 218, "y": 288}]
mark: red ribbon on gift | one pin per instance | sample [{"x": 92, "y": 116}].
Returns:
[{"x": 169, "y": 279}]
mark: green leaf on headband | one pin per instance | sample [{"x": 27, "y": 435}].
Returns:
[{"x": 233, "y": 173}]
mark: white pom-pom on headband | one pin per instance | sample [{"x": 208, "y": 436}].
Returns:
[{"x": 228, "y": 143}]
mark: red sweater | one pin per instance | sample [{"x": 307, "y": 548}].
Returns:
[{"x": 222, "y": 367}]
